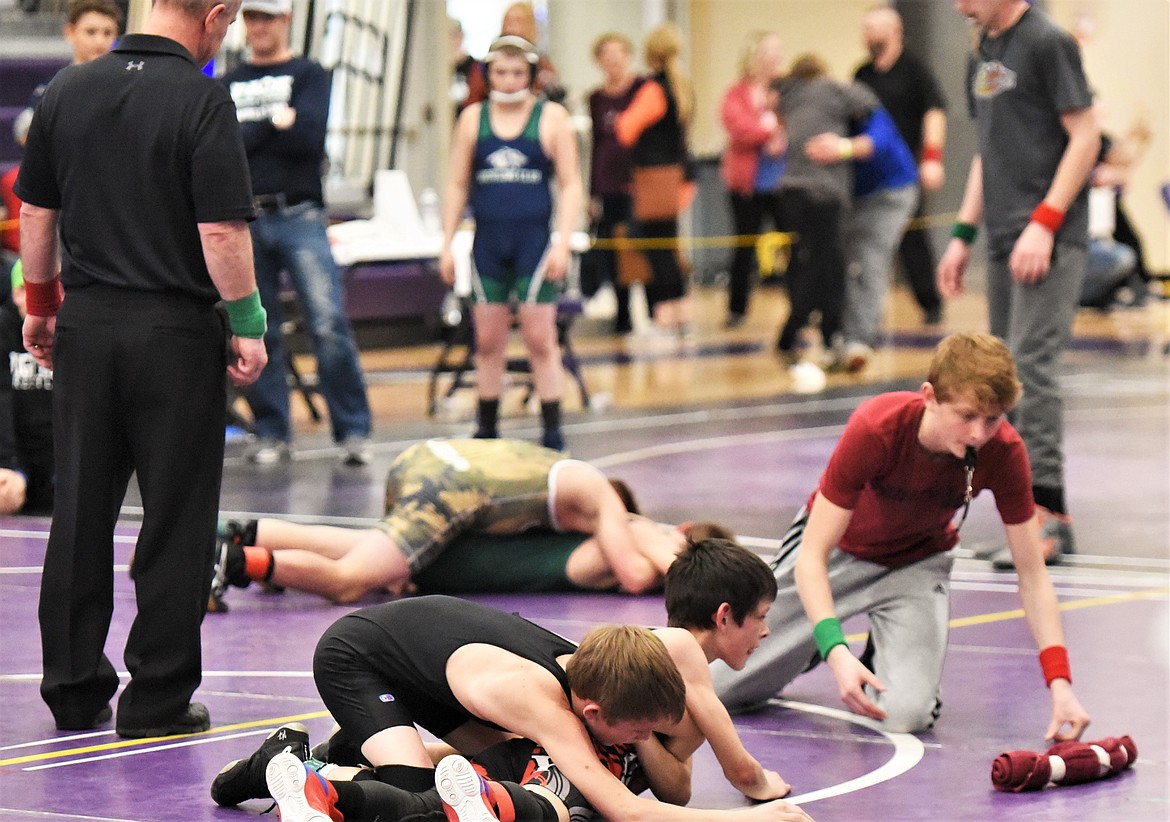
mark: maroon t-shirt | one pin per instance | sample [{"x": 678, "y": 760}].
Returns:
[{"x": 903, "y": 497}]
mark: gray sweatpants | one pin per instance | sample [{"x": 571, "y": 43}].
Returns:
[
  {"x": 872, "y": 234},
  {"x": 1036, "y": 323},
  {"x": 908, "y": 610}
]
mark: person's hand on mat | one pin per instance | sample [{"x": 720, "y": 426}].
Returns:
[
  {"x": 778, "y": 811},
  {"x": 772, "y": 786},
  {"x": 852, "y": 677},
  {"x": 1066, "y": 710}
]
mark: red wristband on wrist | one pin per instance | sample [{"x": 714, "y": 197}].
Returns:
[
  {"x": 931, "y": 152},
  {"x": 42, "y": 299},
  {"x": 1054, "y": 664},
  {"x": 1049, "y": 217}
]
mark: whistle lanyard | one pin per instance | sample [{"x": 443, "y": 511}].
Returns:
[{"x": 969, "y": 476}]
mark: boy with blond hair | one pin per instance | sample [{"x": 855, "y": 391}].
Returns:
[
  {"x": 875, "y": 539},
  {"x": 475, "y": 677}
]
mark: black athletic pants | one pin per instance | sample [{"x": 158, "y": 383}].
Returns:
[
  {"x": 138, "y": 388},
  {"x": 918, "y": 263},
  {"x": 816, "y": 271},
  {"x": 748, "y": 212}
]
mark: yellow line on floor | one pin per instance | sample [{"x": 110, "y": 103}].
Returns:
[
  {"x": 130, "y": 743},
  {"x": 979, "y": 619},
  {"x": 1018, "y": 613}
]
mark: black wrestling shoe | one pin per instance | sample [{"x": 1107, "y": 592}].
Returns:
[
  {"x": 244, "y": 778},
  {"x": 229, "y": 568}
]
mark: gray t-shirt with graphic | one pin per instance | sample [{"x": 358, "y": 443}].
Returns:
[{"x": 1019, "y": 83}]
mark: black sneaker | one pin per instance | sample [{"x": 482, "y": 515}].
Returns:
[
  {"x": 244, "y": 779},
  {"x": 229, "y": 568},
  {"x": 193, "y": 720}
]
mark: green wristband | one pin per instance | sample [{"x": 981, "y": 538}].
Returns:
[
  {"x": 965, "y": 232},
  {"x": 247, "y": 316},
  {"x": 828, "y": 635}
]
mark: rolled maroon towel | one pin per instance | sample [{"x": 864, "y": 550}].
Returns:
[
  {"x": 1017, "y": 771},
  {"x": 1065, "y": 763}
]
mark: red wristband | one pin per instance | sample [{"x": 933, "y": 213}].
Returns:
[
  {"x": 1054, "y": 664},
  {"x": 42, "y": 299},
  {"x": 932, "y": 152},
  {"x": 1049, "y": 217}
]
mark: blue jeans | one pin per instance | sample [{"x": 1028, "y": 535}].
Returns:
[
  {"x": 1110, "y": 264},
  {"x": 293, "y": 240}
]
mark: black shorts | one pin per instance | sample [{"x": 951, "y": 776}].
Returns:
[{"x": 366, "y": 698}]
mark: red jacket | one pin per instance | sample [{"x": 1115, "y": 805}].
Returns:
[{"x": 741, "y": 119}]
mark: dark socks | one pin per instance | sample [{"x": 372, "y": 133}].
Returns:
[
  {"x": 249, "y": 531},
  {"x": 550, "y": 415},
  {"x": 377, "y": 800},
  {"x": 487, "y": 419},
  {"x": 529, "y": 806},
  {"x": 407, "y": 777},
  {"x": 371, "y": 799},
  {"x": 1050, "y": 497}
]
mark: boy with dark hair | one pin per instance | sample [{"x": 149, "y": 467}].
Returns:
[
  {"x": 875, "y": 539},
  {"x": 710, "y": 574}
]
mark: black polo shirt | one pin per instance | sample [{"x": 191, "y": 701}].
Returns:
[
  {"x": 907, "y": 91},
  {"x": 135, "y": 149}
]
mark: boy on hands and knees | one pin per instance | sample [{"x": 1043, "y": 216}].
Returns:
[
  {"x": 476, "y": 677},
  {"x": 875, "y": 538},
  {"x": 717, "y": 598}
]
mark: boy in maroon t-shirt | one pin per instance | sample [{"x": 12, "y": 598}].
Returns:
[{"x": 875, "y": 538}]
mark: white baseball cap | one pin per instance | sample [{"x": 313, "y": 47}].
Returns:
[{"x": 273, "y": 7}]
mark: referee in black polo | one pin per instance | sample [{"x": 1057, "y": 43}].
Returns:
[{"x": 136, "y": 160}]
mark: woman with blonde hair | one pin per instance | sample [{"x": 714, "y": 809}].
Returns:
[
  {"x": 754, "y": 158},
  {"x": 654, "y": 127}
]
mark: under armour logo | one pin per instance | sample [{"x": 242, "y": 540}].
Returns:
[{"x": 132, "y": 66}]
